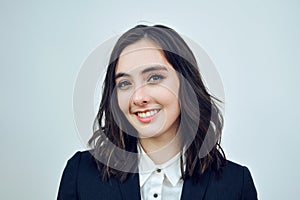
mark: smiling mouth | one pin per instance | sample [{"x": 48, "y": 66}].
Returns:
[{"x": 147, "y": 114}]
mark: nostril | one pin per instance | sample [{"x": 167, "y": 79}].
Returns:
[{"x": 140, "y": 100}]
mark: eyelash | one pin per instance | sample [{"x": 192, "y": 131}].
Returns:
[
  {"x": 123, "y": 84},
  {"x": 156, "y": 78}
]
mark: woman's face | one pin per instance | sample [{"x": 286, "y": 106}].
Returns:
[{"x": 147, "y": 90}]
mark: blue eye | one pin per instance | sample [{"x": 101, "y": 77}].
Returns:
[
  {"x": 123, "y": 85},
  {"x": 155, "y": 78}
]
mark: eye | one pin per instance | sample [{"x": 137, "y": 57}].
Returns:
[
  {"x": 154, "y": 78},
  {"x": 123, "y": 85}
]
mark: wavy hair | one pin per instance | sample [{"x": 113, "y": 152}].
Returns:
[{"x": 114, "y": 136}]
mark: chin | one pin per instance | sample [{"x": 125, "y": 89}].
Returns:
[{"x": 148, "y": 133}]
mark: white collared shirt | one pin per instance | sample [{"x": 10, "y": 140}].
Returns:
[{"x": 159, "y": 182}]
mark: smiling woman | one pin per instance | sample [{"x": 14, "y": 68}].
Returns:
[
  {"x": 150, "y": 98},
  {"x": 158, "y": 129}
]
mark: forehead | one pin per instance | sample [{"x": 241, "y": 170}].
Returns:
[{"x": 142, "y": 53}]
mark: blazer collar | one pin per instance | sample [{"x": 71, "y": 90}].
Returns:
[
  {"x": 130, "y": 188},
  {"x": 193, "y": 190}
]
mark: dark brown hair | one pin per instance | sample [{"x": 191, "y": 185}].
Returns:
[{"x": 114, "y": 135}]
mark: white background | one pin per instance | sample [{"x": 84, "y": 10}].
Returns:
[{"x": 255, "y": 46}]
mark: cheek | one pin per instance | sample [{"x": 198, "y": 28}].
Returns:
[
  {"x": 168, "y": 94},
  {"x": 167, "y": 98},
  {"x": 171, "y": 86},
  {"x": 123, "y": 101}
]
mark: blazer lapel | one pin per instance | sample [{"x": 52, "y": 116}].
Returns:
[
  {"x": 130, "y": 188},
  {"x": 193, "y": 190}
]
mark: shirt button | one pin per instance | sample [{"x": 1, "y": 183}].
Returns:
[
  {"x": 158, "y": 170},
  {"x": 155, "y": 195}
]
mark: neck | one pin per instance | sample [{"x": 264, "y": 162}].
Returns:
[{"x": 160, "y": 150}]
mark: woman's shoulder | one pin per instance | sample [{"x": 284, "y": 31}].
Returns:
[
  {"x": 231, "y": 166},
  {"x": 81, "y": 179},
  {"x": 82, "y": 167},
  {"x": 81, "y": 155},
  {"x": 82, "y": 160},
  {"x": 234, "y": 177},
  {"x": 234, "y": 169}
]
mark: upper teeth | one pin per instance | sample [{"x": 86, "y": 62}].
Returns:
[{"x": 147, "y": 114}]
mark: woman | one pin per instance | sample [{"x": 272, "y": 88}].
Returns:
[{"x": 158, "y": 130}]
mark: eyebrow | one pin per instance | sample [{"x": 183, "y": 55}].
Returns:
[{"x": 148, "y": 69}]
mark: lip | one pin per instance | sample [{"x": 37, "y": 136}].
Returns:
[{"x": 146, "y": 119}]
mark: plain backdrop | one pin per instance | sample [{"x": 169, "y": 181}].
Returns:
[{"x": 255, "y": 46}]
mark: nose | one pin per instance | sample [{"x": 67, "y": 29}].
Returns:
[{"x": 140, "y": 96}]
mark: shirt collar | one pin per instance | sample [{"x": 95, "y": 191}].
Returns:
[{"x": 171, "y": 168}]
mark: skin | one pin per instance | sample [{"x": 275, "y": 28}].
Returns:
[{"x": 147, "y": 90}]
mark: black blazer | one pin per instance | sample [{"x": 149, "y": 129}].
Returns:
[{"x": 81, "y": 180}]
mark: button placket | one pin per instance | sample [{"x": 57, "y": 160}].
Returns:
[{"x": 156, "y": 182}]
